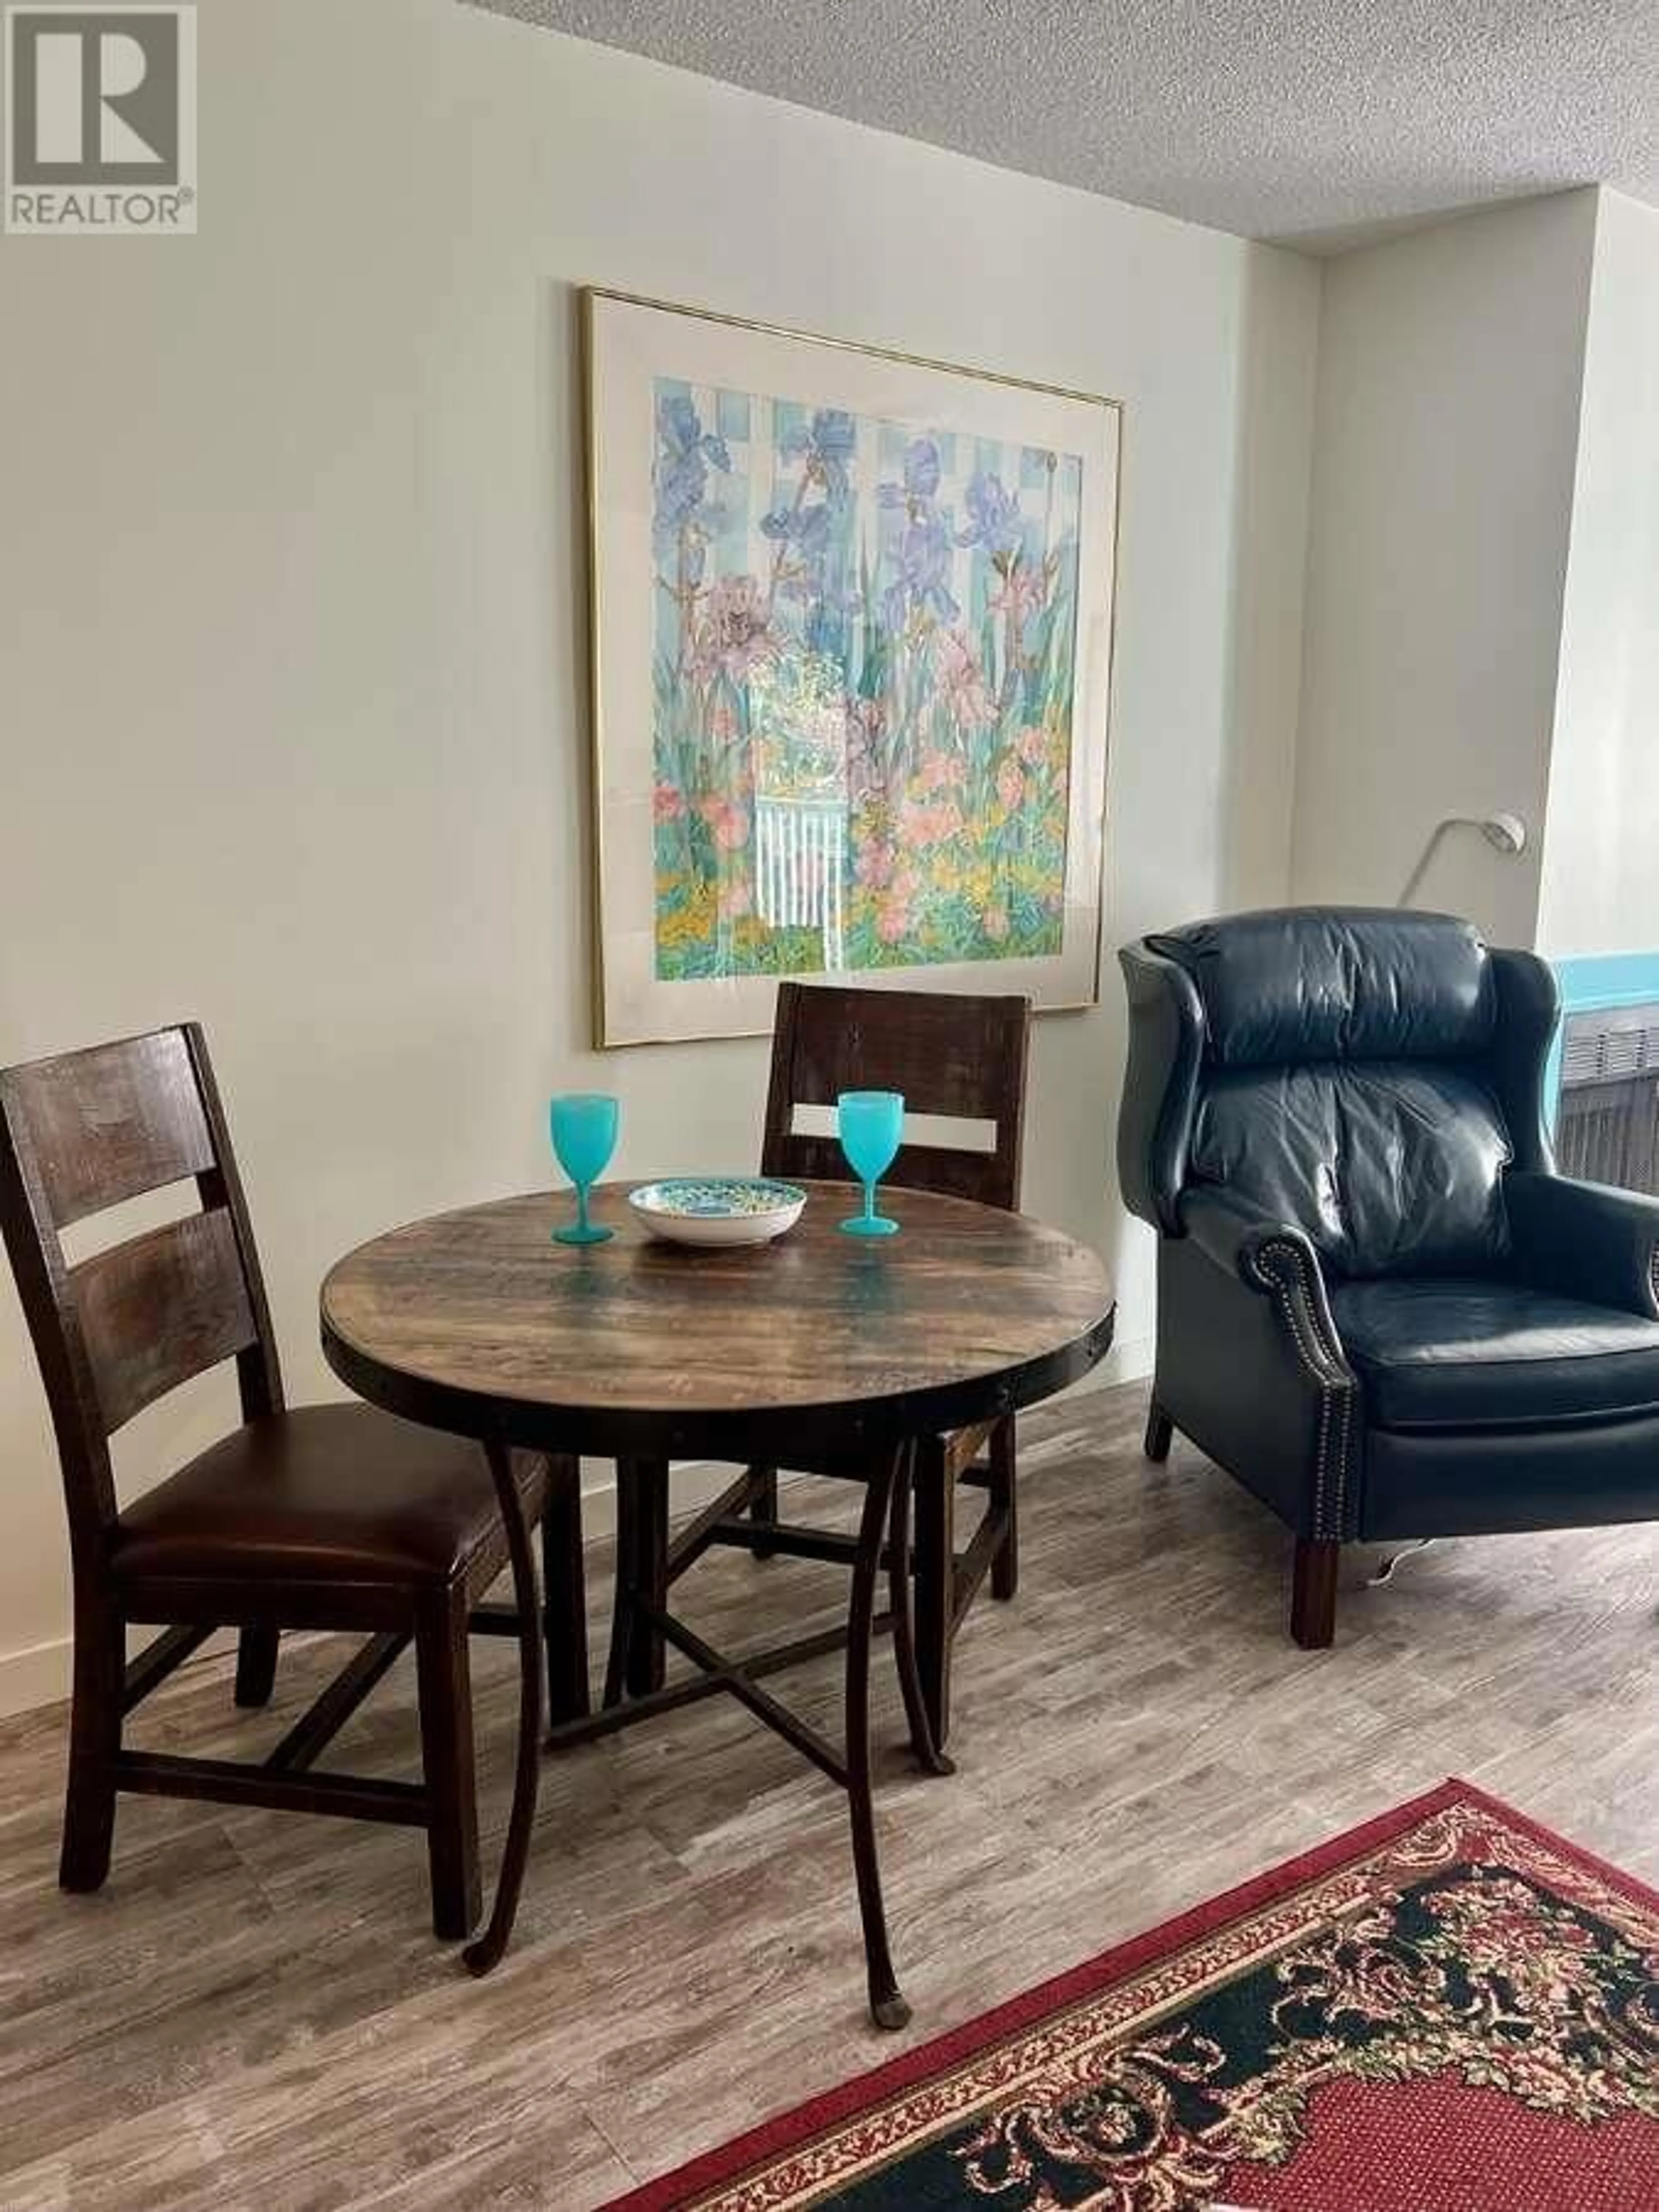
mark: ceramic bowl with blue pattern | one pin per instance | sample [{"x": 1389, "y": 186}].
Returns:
[{"x": 718, "y": 1209}]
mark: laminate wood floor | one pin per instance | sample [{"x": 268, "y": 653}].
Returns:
[{"x": 253, "y": 2013}]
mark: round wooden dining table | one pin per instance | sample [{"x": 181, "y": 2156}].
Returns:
[{"x": 824, "y": 1353}]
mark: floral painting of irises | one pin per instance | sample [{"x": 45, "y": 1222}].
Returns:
[
  {"x": 863, "y": 651},
  {"x": 863, "y": 643}
]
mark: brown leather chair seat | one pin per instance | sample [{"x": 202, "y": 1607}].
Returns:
[{"x": 324, "y": 1493}]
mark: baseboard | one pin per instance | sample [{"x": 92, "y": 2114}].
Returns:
[
  {"x": 1129, "y": 1360},
  {"x": 39, "y": 1675}
]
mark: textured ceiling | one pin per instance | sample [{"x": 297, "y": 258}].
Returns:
[{"x": 1310, "y": 121}]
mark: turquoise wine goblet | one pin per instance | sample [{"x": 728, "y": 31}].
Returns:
[
  {"x": 584, "y": 1129},
  {"x": 872, "y": 1124}
]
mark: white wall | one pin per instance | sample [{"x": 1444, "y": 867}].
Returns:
[
  {"x": 1601, "y": 886},
  {"x": 1450, "y": 368},
  {"x": 291, "y": 666}
]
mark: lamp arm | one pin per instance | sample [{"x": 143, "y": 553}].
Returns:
[
  {"x": 1429, "y": 851},
  {"x": 1505, "y": 833}
]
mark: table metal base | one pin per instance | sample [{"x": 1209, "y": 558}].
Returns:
[
  {"x": 486, "y": 1953},
  {"x": 642, "y": 1622}
]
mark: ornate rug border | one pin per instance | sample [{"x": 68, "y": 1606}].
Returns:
[{"x": 788, "y": 2130}]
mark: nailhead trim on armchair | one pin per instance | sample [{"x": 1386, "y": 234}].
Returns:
[{"x": 1334, "y": 1512}]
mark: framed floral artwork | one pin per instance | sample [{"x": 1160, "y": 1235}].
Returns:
[{"x": 852, "y": 643}]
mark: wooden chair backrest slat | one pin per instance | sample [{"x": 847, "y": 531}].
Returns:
[
  {"x": 160, "y": 1308},
  {"x": 950, "y": 1053},
  {"x": 109, "y": 1124},
  {"x": 87, "y": 1131}
]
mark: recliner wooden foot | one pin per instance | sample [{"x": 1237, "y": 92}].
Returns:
[{"x": 1313, "y": 1593}]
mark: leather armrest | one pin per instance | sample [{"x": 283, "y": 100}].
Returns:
[
  {"x": 1276, "y": 1259},
  {"x": 1585, "y": 1240},
  {"x": 1234, "y": 1234}
]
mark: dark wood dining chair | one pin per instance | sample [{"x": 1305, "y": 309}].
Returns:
[
  {"x": 957, "y": 1057},
  {"x": 335, "y": 1518}
]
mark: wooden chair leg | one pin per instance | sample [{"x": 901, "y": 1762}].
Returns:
[
  {"x": 1160, "y": 1429},
  {"x": 1004, "y": 1499},
  {"x": 1313, "y": 1593},
  {"x": 95, "y": 1740},
  {"x": 444, "y": 1670},
  {"x": 935, "y": 1581},
  {"x": 256, "y": 1664},
  {"x": 564, "y": 1593},
  {"x": 638, "y": 1661},
  {"x": 763, "y": 1505},
  {"x": 648, "y": 1659}
]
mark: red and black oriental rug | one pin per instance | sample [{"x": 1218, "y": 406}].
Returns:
[{"x": 1448, "y": 2009}]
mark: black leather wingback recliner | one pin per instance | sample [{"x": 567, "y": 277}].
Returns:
[{"x": 1378, "y": 1305}]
